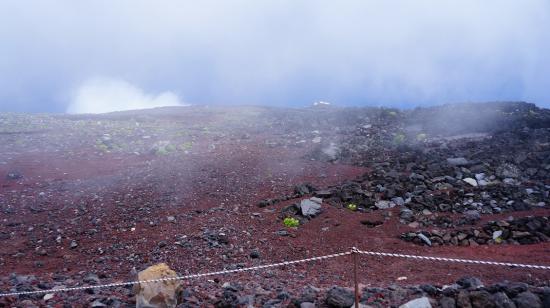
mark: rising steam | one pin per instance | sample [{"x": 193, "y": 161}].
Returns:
[{"x": 101, "y": 95}]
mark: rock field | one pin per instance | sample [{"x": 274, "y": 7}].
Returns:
[{"x": 94, "y": 199}]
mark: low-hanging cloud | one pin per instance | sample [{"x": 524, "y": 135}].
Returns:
[
  {"x": 102, "y": 95},
  {"x": 278, "y": 52}
]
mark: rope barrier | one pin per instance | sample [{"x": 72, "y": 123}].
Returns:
[
  {"x": 122, "y": 284},
  {"x": 353, "y": 250},
  {"x": 398, "y": 255}
]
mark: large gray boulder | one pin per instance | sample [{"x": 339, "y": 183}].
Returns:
[{"x": 309, "y": 208}]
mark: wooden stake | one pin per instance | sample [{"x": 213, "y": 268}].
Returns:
[{"x": 355, "y": 278}]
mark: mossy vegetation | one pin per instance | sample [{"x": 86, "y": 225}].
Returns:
[{"x": 291, "y": 222}]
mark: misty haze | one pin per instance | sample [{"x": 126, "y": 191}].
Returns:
[{"x": 275, "y": 153}]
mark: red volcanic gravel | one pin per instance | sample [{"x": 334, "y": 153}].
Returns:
[{"x": 112, "y": 212}]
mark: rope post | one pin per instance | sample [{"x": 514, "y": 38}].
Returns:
[{"x": 354, "y": 253}]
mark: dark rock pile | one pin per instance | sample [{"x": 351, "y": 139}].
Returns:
[
  {"x": 466, "y": 292},
  {"x": 484, "y": 158},
  {"x": 388, "y": 135},
  {"x": 521, "y": 231},
  {"x": 14, "y": 175},
  {"x": 415, "y": 187}
]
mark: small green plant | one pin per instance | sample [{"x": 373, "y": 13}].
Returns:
[
  {"x": 102, "y": 147},
  {"x": 421, "y": 137},
  {"x": 389, "y": 113},
  {"x": 170, "y": 148},
  {"x": 399, "y": 138},
  {"x": 352, "y": 207},
  {"x": 186, "y": 146},
  {"x": 291, "y": 222}
]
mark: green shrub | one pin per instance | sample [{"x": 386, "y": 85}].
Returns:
[
  {"x": 186, "y": 146},
  {"x": 399, "y": 138},
  {"x": 170, "y": 148},
  {"x": 352, "y": 207},
  {"x": 102, "y": 147},
  {"x": 162, "y": 151},
  {"x": 291, "y": 222},
  {"x": 421, "y": 137}
]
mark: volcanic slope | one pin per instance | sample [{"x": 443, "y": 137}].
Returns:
[{"x": 207, "y": 188}]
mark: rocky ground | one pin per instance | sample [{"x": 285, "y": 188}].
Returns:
[{"x": 90, "y": 199}]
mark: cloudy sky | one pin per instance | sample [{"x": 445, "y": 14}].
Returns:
[{"x": 97, "y": 56}]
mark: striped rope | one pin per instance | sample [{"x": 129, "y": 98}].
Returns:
[
  {"x": 353, "y": 250},
  {"x": 429, "y": 258},
  {"x": 122, "y": 284}
]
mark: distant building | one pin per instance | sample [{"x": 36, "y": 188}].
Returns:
[{"x": 321, "y": 104}]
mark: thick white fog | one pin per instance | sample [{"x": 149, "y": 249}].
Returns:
[{"x": 292, "y": 53}]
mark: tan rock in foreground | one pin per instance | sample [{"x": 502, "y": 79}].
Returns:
[{"x": 163, "y": 294}]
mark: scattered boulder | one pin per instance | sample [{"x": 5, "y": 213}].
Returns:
[
  {"x": 447, "y": 302},
  {"x": 398, "y": 201},
  {"x": 92, "y": 279},
  {"x": 406, "y": 214},
  {"x": 384, "y": 204},
  {"x": 254, "y": 254},
  {"x": 472, "y": 216},
  {"x": 331, "y": 152},
  {"x": 502, "y": 300},
  {"x": 463, "y": 300},
  {"x": 323, "y": 193},
  {"x": 425, "y": 239},
  {"x": 97, "y": 304},
  {"x": 527, "y": 300},
  {"x": 309, "y": 208},
  {"x": 162, "y": 147},
  {"x": 339, "y": 297},
  {"x": 469, "y": 282},
  {"x": 508, "y": 170},
  {"x": 157, "y": 294},
  {"x": 497, "y": 234},
  {"x": 470, "y": 181},
  {"x": 481, "y": 299},
  {"x": 371, "y": 223},
  {"x": 73, "y": 244},
  {"x": 14, "y": 175},
  {"x": 422, "y": 302},
  {"x": 266, "y": 202},
  {"x": 303, "y": 189}
]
